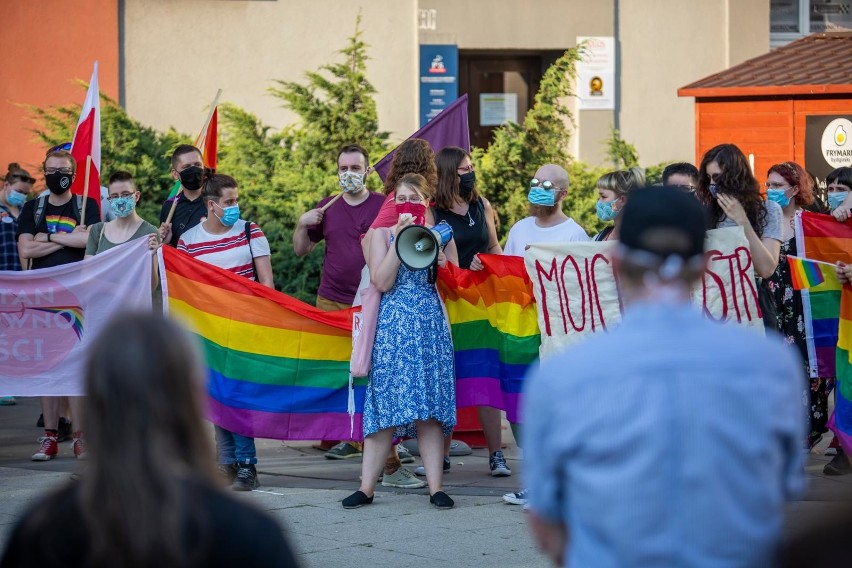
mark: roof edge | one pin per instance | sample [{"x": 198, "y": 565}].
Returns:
[{"x": 765, "y": 90}]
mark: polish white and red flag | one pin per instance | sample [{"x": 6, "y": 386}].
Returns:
[{"x": 87, "y": 142}]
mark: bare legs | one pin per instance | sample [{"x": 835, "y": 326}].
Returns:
[
  {"x": 376, "y": 448},
  {"x": 490, "y": 419}
]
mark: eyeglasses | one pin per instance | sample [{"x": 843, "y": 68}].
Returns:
[
  {"x": 122, "y": 195},
  {"x": 775, "y": 185},
  {"x": 411, "y": 199},
  {"x": 23, "y": 178},
  {"x": 65, "y": 147},
  {"x": 67, "y": 171},
  {"x": 686, "y": 188},
  {"x": 548, "y": 185},
  {"x": 465, "y": 170}
]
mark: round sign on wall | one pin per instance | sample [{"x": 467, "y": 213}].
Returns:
[{"x": 836, "y": 146}]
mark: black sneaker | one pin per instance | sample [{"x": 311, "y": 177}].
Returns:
[
  {"x": 441, "y": 500},
  {"x": 246, "y": 478},
  {"x": 64, "y": 431},
  {"x": 839, "y": 465},
  {"x": 229, "y": 471},
  {"x": 497, "y": 464},
  {"x": 421, "y": 470}
]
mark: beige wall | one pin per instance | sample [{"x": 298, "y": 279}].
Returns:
[
  {"x": 673, "y": 44},
  {"x": 243, "y": 47}
]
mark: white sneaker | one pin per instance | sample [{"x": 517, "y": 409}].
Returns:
[
  {"x": 403, "y": 479},
  {"x": 516, "y": 498}
]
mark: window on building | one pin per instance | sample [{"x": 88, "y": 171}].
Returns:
[{"x": 790, "y": 20}]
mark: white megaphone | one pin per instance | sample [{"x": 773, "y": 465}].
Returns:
[{"x": 417, "y": 246}]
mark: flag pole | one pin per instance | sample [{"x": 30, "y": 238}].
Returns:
[
  {"x": 330, "y": 203},
  {"x": 85, "y": 189},
  {"x": 197, "y": 140}
]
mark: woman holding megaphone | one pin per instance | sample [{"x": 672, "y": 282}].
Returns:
[{"x": 411, "y": 388}]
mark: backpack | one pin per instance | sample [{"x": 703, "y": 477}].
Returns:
[{"x": 38, "y": 212}]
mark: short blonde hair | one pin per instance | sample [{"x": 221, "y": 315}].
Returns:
[{"x": 622, "y": 181}]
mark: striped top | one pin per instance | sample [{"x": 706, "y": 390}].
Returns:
[{"x": 229, "y": 250}]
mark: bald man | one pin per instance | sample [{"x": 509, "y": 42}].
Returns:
[{"x": 547, "y": 222}]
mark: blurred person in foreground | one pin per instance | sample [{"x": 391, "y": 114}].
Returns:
[
  {"x": 683, "y": 465},
  {"x": 123, "y": 511}
]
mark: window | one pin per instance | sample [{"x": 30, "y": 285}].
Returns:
[{"x": 790, "y": 20}]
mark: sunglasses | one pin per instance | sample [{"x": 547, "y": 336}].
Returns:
[
  {"x": 23, "y": 178},
  {"x": 543, "y": 184},
  {"x": 65, "y": 146}
]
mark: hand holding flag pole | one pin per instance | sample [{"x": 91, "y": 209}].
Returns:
[
  {"x": 208, "y": 160},
  {"x": 331, "y": 202}
]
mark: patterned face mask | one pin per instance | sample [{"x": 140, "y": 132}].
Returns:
[
  {"x": 122, "y": 206},
  {"x": 351, "y": 182}
]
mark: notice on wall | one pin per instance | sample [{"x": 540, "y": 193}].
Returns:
[
  {"x": 497, "y": 108},
  {"x": 827, "y": 144},
  {"x": 439, "y": 79},
  {"x": 577, "y": 294},
  {"x": 596, "y": 74}
]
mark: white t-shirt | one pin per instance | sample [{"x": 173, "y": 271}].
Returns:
[
  {"x": 229, "y": 250},
  {"x": 526, "y": 232}
]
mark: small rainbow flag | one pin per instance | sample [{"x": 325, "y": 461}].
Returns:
[
  {"x": 278, "y": 368},
  {"x": 495, "y": 332},
  {"x": 806, "y": 273}
]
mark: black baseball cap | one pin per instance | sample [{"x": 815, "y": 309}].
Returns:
[{"x": 663, "y": 221}]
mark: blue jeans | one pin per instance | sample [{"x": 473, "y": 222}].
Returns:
[{"x": 231, "y": 447}]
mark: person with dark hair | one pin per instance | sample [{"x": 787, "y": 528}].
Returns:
[
  {"x": 411, "y": 383},
  {"x": 839, "y": 193},
  {"x": 662, "y": 473},
  {"x": 52, "y": 232},
  {"x": 17, "y": 185},
  {"x": 341, "y": 221},
  {"x": 127, "y": 225},
  {"x": 226, "y": 241},
  {"x": 341, "y": 225},
  {"x": 149, "y": 495},
  {"x": 682, "y": 175},
  {"x": 613, "y": 190},
  {"x": 730, "y": 191},
  {"x": 459, "y": 203},
  {"x": 188, "y": 167}
]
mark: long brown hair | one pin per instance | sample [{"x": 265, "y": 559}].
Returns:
[
  {"x": 447, "y": 162},
  {"x": 737, "y": 180},
  {"x": 413, "y": 156},
  {"x": 144, "y": 389}
]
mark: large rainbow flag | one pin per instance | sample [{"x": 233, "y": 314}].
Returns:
[
  {"x": 829, "y": 332},
  {"x": 495, "y": 332},
  {"x": 278, "y": 368}
]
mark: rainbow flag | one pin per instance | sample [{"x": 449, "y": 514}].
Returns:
[
  {"x": 828, "y": 312},
  {"x": 806, "y": 273},
  {"x": 495, "y": 332},
  {"x": 278, "y": 368}
]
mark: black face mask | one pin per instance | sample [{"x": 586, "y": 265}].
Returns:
[
  {"x": 58, "y": 183},
  {"x": 466, "y": 184},
  {"x": 191, "y": 177}
]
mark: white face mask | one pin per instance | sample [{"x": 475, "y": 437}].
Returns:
[{"x": 351, "y": 182}]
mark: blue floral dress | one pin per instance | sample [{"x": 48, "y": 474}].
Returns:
[{"x": 412, "y": 375}]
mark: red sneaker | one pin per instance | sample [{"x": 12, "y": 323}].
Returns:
[
  {"x": 79, "y": 446},
  {"x": 49, "y": 448}
]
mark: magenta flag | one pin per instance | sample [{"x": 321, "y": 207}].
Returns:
[{"x": 449, "y": 128}]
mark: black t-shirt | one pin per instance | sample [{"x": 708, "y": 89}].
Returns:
[
  {"x": 237, "y": 533},
  {"x": 187, "y": 215},
  {"x": 470, "y": 239},
  {"x": 57, "y": 219}
]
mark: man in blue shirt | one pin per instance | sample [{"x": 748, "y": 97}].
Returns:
[{"x": 672, "y": 440}]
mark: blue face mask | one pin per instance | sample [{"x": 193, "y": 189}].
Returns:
[
  {"x": 541, "y": 196},
  {"x": 779, "y": 196},
  {"x": 230, "y": 215},
  {"x": 15, "y": 199},
  {"x": 605, "y": 211},
  {"x": 122, "y": 206},
  {"x": 836, "y": 198}
]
